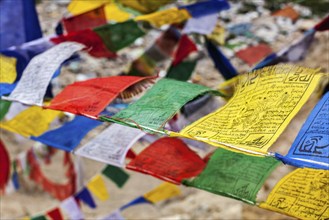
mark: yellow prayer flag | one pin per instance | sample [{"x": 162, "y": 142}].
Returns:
[
  {"x": 303, "y": 194},
  {"x": 8, "y": 72},
  {"x": 114, "y": 13},
  {"x": 169, "y": 16},
  {"x": 264, "y": 103},
  {"x": 26, "y": 218},
  {"x": 162, "y": 192},
  {"x": 145, "y": 6},
  {"x": 33, "y": 121},
  {"x": 97, "y": 186},
  {"x": 77, "y": 7},
  {"x": 218, "y": 34}
]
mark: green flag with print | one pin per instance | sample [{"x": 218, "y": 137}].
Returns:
[{"x": 234, "y": 175}]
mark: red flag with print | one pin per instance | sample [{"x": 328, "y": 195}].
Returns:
[
  {"x": 185, "y": 47},
  {"x": 168, "y": 159}
]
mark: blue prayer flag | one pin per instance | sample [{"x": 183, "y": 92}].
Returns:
[
  {"x": 206, "y": 7},
  {"x": 137, "y": 201},
  {"x": 69, "y": 135},
  {"x": 311, "y": 147},
  {"x": 85, "y": 196}
]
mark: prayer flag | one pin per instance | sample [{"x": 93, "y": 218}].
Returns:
[
  {"x": 254, "y": 54},
  {"x": 234, "y": 175},
  {"x": 94, "y": 44},
  {"x": 109, "y": 147},
  {"x": 39, "y": 217},
  {"x": 119, "y": 35},
  {"x": 117, "y": 175},
  {"x": 72, "y": 209},
  {"x": 137, "y": 201},
  {"x": 263, "y": 104},
  {"x": 97, "y": 186},
  {"x": 288, "y": 12},
  {"x": 201, "y": 25},
  {"x": 159, "y": 104},
  {"x": 182, "y": 71},
  {"x": 222, "y": 64},
  {"x": 168, "y": 159},
  {"x": 203, "y": 8},
  {"x": 168, "y": 16},
  {"x": 311, "y": 147},
  {"x": 116, "y": 215},
  {"x": 31, "y": 122},
  {"x": 16, "y": 30},
  {"x": 85, "y": 196},
  {"x": 302, "y": 194},
  {"x": 90, "y": 97},
  {"x": 162, "y": 192},
  {"x": 4, "y": 107},
  {"x": 4, "y": 167},
  {"x": 87, "y": 20},
  {"x": 323, "y": 25},
  {"x": 145, "y": 6},
  {"x": 185, "y": 47},
  {"x": 77, "y": 7},
  {"x": 68, "y": 136},
  {"x": 35, "y": 79},
  {"x": 7, "y": 69},
  {"x": 55, "y": 214}
]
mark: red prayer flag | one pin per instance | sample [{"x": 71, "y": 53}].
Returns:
[
  {"x": 91, "y": 97},
  {"x": 254, "y": 54},
  {"x": 323, "y": 25},
  {"x": 169, "y": 159},
  {"x": 288, "y": 12},
  {"x": 55, "y": 214},
  {"x": 185, "y": 47},
  {"x": 90, "y": 39},
  {"x": 4, "y": 167},
  {"x": 87, "y": 20}
]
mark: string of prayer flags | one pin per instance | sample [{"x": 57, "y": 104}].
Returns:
[
  {"x": 202, "y": 25},
  {"x": 163, "y": 192},
  {"x": 55, "y": 214},
  {"x": 7, "y": 69},
  {"x": 169, "y": 159},
  {"x": 4, "y": 107},
  {"x": 311, "y": 147},
  {"x": 254, "y": 54},
  {"x": 4, "y": 167},
  {"x": 145, "y": 6},
  {"x": 159, "y": 104},
  {"x": 16, "y": 30},
  {"x": 302, "y": 194},
  {"x": 264, "y": 103},
  {"x": 119, "y": 35},
  {"x": 71, "y": 208},
  {"x": 33, "y": 85},
  {"x": 31, "y": 122},
  {"x": 117, "y": 175},
  {"x": 222, "y": 64},
  {"x": 94, "y": 44},
  {"x": 168, "y": 16},
  {"x": 97, "y": 186},
  {"x": 234, "y": 175},
  {"x": 107, "y": 147},
  {"x": 85, "y": 196},
  {"x": 90, "y": 97},
  {"x": 68, "y": 136},
  {"x": 86, "y": 20},
  {"x": 207, "y": 7},
  {"x": 323, "y": 25}
]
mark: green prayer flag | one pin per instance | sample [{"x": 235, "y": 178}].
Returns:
[
  {"x": 159, "y": 104},
  {"x": 4, "y": 107},
  {"x": 119, "y": 35},
  {"x": 181, "y": 71},
  {"x": 39, "y": 217},
  {"x": 117, "y": 175},
  {"x": 234, "y": 175}
]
